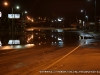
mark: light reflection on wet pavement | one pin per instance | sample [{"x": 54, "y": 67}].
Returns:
[{"x": 39, "y": 37}]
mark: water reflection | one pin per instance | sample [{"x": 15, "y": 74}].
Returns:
[{"x": 40, "y": 37}]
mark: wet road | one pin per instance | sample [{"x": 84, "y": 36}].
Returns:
[
  {"x": 67, "y": 52},
  {"x": 23, "y": 62}
]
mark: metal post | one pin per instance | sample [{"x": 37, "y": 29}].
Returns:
[
  {"x": 22, "y": 19},
  {"x": 85, "y": 16},
  {"x": 12, "y": 25},
  {"x": 95, "y": 10},
  {"x": 95, "y": 18}
]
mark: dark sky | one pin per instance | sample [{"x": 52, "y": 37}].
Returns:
[{"x": 56, "y": 8}]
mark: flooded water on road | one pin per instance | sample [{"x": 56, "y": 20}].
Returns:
[{"x": 40, "y": 37}]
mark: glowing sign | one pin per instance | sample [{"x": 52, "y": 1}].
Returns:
[
  {"x": 14, "y": 42},
  {"x": 13, "y": 16}
]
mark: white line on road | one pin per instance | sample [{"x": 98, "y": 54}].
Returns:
[{"x": 63, "y": 57}]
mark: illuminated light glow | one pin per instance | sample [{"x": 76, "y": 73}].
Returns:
[
  {"x": 5, "y": 3},
  {"x": 59, "y": 19},
  {"x": 86, "y": 16},
  {"x": 0, "y": 43},
  {"x": 82, "y": 10},
  {"x": 28, "y": 39},
  {"x": 59, "y": 30},
  {"x": 25, "y": 12},
  {"x": 52, "y": 21},
  {"x": 29, "y": 45},
  {"x": 36, "y": 33},
  {"x": 39, "y": 30},
  {"x": 39, "y": 37},
  {"x": 32, "y": 20},
  {"x": 52, "y": 35},
  {"x": 62, "y": 18},
  {"x": 55, "y": 42},
  {"x": 39, "y": 43},
  {"x": 61, "y": 42},
  {"x": 17, "y": 7},
  {"x": 10, "y": 16},
  {"x": 14, "y": 42},
  {"x": 80, "y": 21},
  {"x": 79, "y": 37},
  {"x": 0, "y": 14},
  {"x": 92, "y": 23},
  {"x": 18, "y": 46},
  {"x": 83, "y": 23},
  {"x": 31, "y": 36},
  {"x": 59, "y": 39},
  {"x": 7, "y": 47},
  {"x": 39, "y": 18}
]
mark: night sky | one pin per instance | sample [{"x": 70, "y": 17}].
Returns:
[{"x": 56, "y": 8}]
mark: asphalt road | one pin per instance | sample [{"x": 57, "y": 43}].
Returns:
[
  {"x": 42, "y": 59},
  {"x": 74, "y": 58},
  {"x": 83, "y": 60},
  {"x": 32, "y": 60}
]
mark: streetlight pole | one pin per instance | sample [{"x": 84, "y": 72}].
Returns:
[
  {"x": 23, "y": 17},
  {"x": 84, "y": 18},
  {"x": 87, "y": 18},
  {"x": 13, "y": 16},
  {"x": 85, "y": 14},
  {"x": 96, "y": 25},
  {"x": 12, "y": 24},
  {"x": 95, "y": 18}
]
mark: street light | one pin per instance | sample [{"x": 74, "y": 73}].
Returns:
[
  {"x": 25, "y": 12},
  {"x": 23, "y": 16},
  {"x": 85, "y": 14},
  {"x": 6, "y": 3},
  {"x": 87, "y": 18},
  {"x": 95, "y": 15}
]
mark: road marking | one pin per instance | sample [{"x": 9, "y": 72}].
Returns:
[{"x": 63, "y": 57}]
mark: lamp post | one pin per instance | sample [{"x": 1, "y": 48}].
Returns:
[
  {"x": 95, "y": 15},
  {"x": 95, "y": 18},
  {"x": 22, "y": 17},
  {"x": 13, "y": 16},
  {"x": 23, "y": 13},
  {"x": 85, "y": 14},
  {"x": 86, "y": 18}
]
